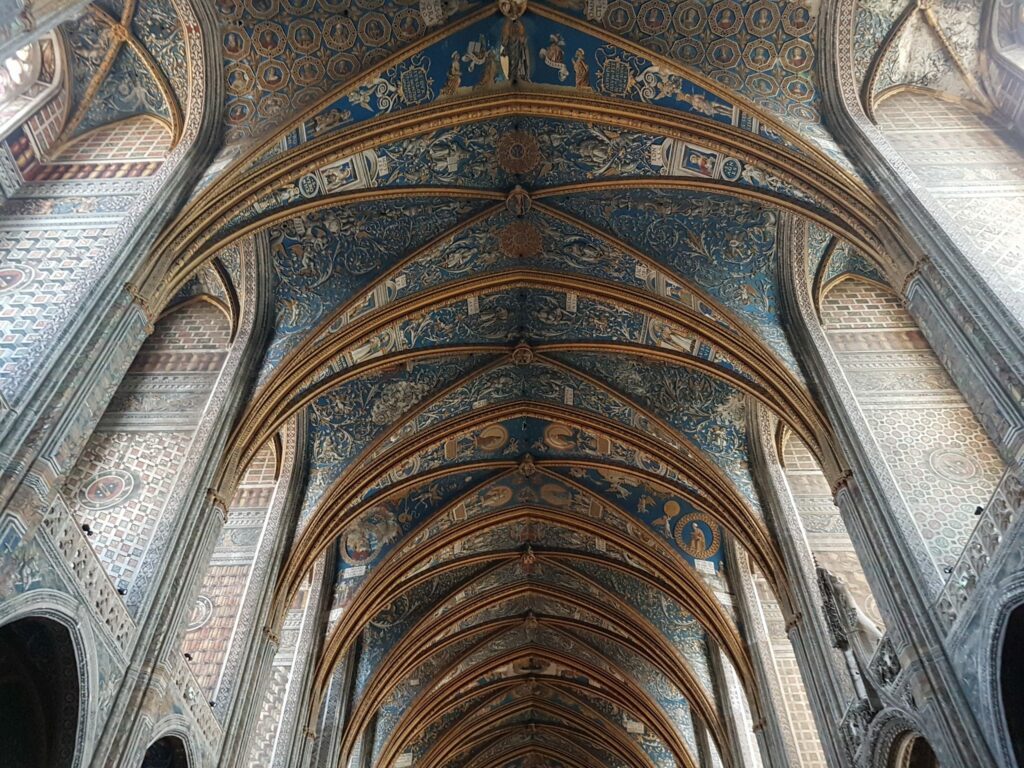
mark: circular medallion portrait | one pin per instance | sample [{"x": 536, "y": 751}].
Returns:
[
  {"x": 697, "y": 536},
  {"x": 107, "y": 489}
]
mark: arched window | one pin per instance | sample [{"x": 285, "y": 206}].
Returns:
[
  {"x": 913, "y": 752},
  {"x": 27, "y": 80},
  {"x": 1011, "y": 682},
  {"x": 38, "y": 694}
]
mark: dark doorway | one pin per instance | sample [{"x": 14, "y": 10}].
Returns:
[
  {"x": 1011, "y": 681},
  {"x": 168, "y": 752},
  {"x": 921, "y": 755},
  {"x": 38, "y": 694}
]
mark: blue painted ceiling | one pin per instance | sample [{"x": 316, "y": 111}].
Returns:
[{"x": 526, "y": 345}]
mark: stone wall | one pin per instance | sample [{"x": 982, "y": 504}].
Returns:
[
  {"x": 123, "y": 478},
  {"x": 944, "y": 463},
  {"x": 797, "y": 708},
  {"x": 970, "y": 165},
  {"x": 212, "y": 626}
]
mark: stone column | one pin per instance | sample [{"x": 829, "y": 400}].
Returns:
[
  {"x": 736, "y": 717},
  {"x": 896, "y": 563},
  {"x": 334, "y": 714},
  {"x": 778, "y": 747},
  {"x": 707, "y": 756},
  {"x": 295, "y": 738},
  {"x": 253, "y": 647},
  {"x": 827, "y": 683},
  {"x": 163, "y": 594}
]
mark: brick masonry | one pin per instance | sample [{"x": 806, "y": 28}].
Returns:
[
  {"x": 943, "y": 462},
  {"x": 122, "y": 480},
  {"x": 265, "y": 738},
  {"x": 972, "y": 168},
  {"x": 211, "y": 627},
  {"x": 790, "y": 683}
]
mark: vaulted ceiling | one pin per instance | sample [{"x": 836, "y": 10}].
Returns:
[{"x": 525, "y": 295}]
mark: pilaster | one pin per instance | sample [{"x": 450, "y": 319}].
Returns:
[
  {"x": 778, "y": 747},
  {"x": 162, "y": 595},
  {"x": 902, "y": 576},
  {"x": 827, "y": 684}
]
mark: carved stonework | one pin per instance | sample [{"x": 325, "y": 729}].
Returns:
[
  {"x": 518, "y": 201},
  {"x": 522, "y": 354},
  {"x": 885, "y": 666},
  {"x": 512, "y": 9}
]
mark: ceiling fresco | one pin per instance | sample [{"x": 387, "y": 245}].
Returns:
[
  {"x": 935, "y": 46},
  {"x": 127, "y": 61},
  {"x": 470, "y": 60},
  {"x": 524, "y": 294}
]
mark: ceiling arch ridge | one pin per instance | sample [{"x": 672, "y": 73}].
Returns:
[
  {"x": 335, "y": 118},
  {"x": 378, "y": 294},
  {"x": 688, "y": 590},
  {"x": 263, "y": 149},
  {"x": 867, "y": 86},
  {"x": 345, "y": 424},
  {"x": 489, "y": 727},
  {"x": 547, "y": 754},
  {"x": 122, "y": 35},
  {"x": 431, "y": 639},
  {"x": 717, "y": 498},
  {"x": 838, "y": 263},
  {"x": 323, "y": 358},
  {"x": 625, "y": 694},
  {"x": 407, "y": 557},
  {"x": 857, "y": 231},
  {"x": 399, "y": 435},
  {"x": 736, "y": 325},
  {"x": 394, "y": 572},
  {"x": 631, "y": 754},
  {"x": 385, "y": 589},
  {"x": 749, "y": 529},
  {"x": 559, "y": 753},
  {"x": 191, "y": 236},
  {"x": 345, "y": 315},
  {"x": 427, "y": 638},
  {"x": 922, "y": 16},
  {"x": 644, "y": 640},
  {"x": 789, "y": 397},
  {"x": 559, "y": 749},
  {"x": 456, "y": 685},
  {"x": 241, "y": 450},
  {"x": 671, "y": 552}
]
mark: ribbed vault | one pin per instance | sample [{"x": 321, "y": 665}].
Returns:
[{"x": 525, "y": 289}]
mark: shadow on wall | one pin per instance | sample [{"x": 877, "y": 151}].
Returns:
[
  {"x": 1011, "y": 682},
  {"x": 168, "y": 752}
]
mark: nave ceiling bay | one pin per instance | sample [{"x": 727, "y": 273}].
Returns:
[
  {"x": 526, "y": 297},
  {"x": 409, "y": 119}
]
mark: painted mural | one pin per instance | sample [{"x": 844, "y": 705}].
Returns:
[
  {"x": 473, "y": 60},
  {"x": 736, "y": 267}
]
